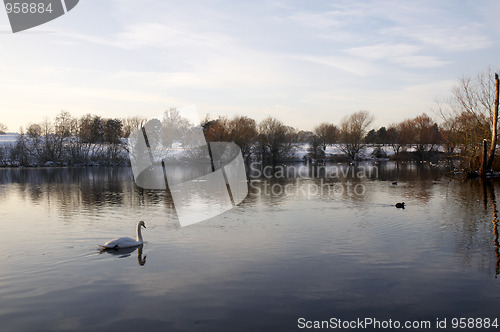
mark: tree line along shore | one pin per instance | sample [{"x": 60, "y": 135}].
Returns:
[{"x": 465, "y": 129}]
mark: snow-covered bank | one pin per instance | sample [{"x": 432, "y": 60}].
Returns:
[
  {"x": 73, "y": 152},
  {"x": 303, "y": 149},
  {"x": 53, "y": 151},
  {"x": 372, "y": 151}
]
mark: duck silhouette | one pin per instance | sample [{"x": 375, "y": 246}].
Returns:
[{"x": 400, "y": 205}]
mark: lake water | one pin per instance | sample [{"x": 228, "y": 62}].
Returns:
[{"x": 276, "y": 257}]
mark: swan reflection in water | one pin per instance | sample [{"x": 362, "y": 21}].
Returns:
[{"x": 126, "y": 252}]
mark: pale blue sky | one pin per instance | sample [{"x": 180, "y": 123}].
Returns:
[{"x": 304, "y": 62}]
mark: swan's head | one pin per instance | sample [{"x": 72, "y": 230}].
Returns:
[{"x": 141, "y": 223}]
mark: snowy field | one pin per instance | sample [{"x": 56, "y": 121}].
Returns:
[
  {"x": 298, "y": 153},
  {"x": 8, "y": 139},
  {"x": 302, "y": 149}
]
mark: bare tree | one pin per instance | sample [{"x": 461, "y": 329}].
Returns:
[
  {"x": 34, "y": 130},
  {"x": 315, "y": 147},
  {"x": 20, "y": 153},
  {"x": 131, "y": 124},
  {"x": 275, "y": 138},
  {"x": 113, "y": 131},
  {"x": 304, "y": 136},
  {"x": 425, "y": 134},
  {"x": 326, "y": 134},
  {"x": 92, "y": 129},
  {"x": 449, "y": 133},
  {"x": 396, "y": 138},
  {"x": 243, "y": 131},
  {"x": 3, "y": 129},
  {"x": 216, "y": 130},
  {"x": 472, "y": 106},
  {"x": 352, "y": 131},
  {"x": 45, "y": 144},
  {"x": 65, "y": 124},
  {"x": 175, "y": 128}
]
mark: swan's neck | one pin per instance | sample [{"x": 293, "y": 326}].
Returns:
[{"x": 139, "y": 234}]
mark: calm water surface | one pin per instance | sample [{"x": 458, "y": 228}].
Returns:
[{"x": 259, "y": 267}]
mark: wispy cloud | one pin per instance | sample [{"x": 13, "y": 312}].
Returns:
[
  {"x": 154, "y": 35},
  {"x": 448, "y": 38},
  {"x": 383, "y": 50},
  {"x": 347, "y": 64},
  {"x": 401, "y": 54},
  {"x": 161, "y": 35},
  {"x": 427, "y": 24},
  {"x": 419, "y": 61},
  {"x": 320, "y": 20},
  {"x": 254, "y": 58}
]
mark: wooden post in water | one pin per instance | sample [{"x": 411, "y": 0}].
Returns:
[
  {"x": 484, "y": 159},
  {"x": 494, "y": 133}
]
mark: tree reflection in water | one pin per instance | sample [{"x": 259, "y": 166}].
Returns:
[
  {"x": 488, "y": 185},
  {"x": 88, "y": 194}
]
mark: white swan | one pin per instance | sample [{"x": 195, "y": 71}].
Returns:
[{"x": 126, "y": 242}]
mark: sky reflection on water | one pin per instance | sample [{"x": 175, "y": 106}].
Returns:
[{"x": 261, "y": 266}]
